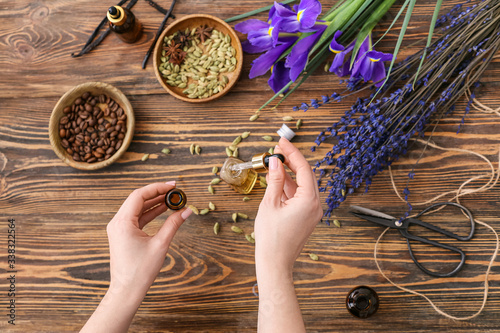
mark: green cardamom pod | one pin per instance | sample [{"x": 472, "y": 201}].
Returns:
[
  {"x": 216, "y": 228},
  {"x": 194, "y": 209},
  {"x": 254, "y": 117},
  {"x": 215, "y": 181},
  {"x": 245, "y": 199},
  {"x": 337, "y": 223},
  {"x": 245, "y": 135},
  {"x": 145, "y": 157},
  {"x": 298, "y": 124},
  {"x": 235, "y": 217},
  {"x": 313, "y": 256},
  {"x": 236, "y": 229},
  {"x": 211, "y": 189},
  {"x": 204, "y": 211},
  {"x": 267, "y": 138},
  {"x": 242, "y": 215},
  {"x": 211, "y": 206},
  {"x": 165, "y": 151},
  {"x": 249, "y": 238}
]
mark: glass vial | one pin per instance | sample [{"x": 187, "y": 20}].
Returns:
[
  {"x": 242, "y": 181},
  {"x": 175, "y": 199},
  {"x": 124, "y": 23},
  {"x": 362, "y": 302}
]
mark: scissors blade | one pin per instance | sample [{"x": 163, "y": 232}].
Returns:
[
  {"x": 367, "y": 211},
  {"x": 374, "y": 216}
]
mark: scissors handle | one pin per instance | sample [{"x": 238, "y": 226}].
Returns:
[{"x": 408, "y": 236}]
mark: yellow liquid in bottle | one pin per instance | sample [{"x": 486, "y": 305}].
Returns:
[{"x": 242, "y": 181}]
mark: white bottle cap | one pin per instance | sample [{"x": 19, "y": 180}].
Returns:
[{"x": 286, "y": 132}]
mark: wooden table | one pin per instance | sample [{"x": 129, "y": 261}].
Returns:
[{"x": 61, "y": 213}]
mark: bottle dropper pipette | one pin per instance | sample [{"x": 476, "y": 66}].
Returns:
[{"x": 259, "y": 162}]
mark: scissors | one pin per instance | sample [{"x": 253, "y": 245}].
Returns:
[{"x": 403, "y": 225}]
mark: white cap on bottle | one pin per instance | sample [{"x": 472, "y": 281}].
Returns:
[{"x": 286, "y": 132}]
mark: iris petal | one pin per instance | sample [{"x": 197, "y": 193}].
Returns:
[
  {"x": 250, "y": 25},
  {"x": 262, "y": 64},
  {"x": 279, "y": 77}
]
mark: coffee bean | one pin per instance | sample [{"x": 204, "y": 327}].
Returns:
[
  {"x": 96, "y": 154},
  {"x": 64, "y": 120},
  {"x": 91, "y": 160},
  {"x": 102, "y": 99},
  {"x": 91, "y": 129},
  {"x": 112, "y": 143},
  {"x": 121, "y": 136},
  {"x": 78, "y": 101},
  {"x": 118, "y": 144},
  {"x": 84, "y": 127},
  {"x": 115, "y": 107},
  {"x": 114, "y": 121},
  {"x": 69, "y": 151},
  {"x": 87, "y": 156},
  {"x": 62, "y": 133},
  {"x": 78, "y": 130},
  {"x": 113, "y": 115},
  {"x": 67, "y": 109},
  {"x": 93, "y": 102},
  {"x": 65, "y": 143},
  {"x": 106, "y": 112},
  {"x": 123, "y": 117},
  {"x": 110, "y": 151},
  {"x": 111, "y": 103},
  {"x": 86, "y": 95},
  {"x": 113, "y": 134},
  {"x": 108, "y": 99}
]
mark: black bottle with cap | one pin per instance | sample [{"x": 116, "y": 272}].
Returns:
[
  {"x": 124, "y": 23},
  {"x": 362, "y": 302}
]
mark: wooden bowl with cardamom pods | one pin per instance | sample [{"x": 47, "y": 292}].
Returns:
[
  {"x": 205, "y": 65},
  {"x": 91, "y": 126}
]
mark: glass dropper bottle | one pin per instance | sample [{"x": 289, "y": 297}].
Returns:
[{"x": 241, "y": 175}]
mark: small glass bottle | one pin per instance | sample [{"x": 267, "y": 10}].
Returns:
[
  {"x": 242, "y": 176},
  {"x": 175, "y": 199},
  {"x": 362, "y": 302},
  {"x": 124, "y": 23},
  {"x": 242, "y": 181}
]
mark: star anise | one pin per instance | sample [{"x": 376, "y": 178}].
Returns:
[
  {"x": 203, "y": 32},
  {"x": 172, "y": 49},
  {"x": 177, "y": 58},
  {"x": 183, "y": 38}
]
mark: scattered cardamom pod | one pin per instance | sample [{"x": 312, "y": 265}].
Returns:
[
  {"x": 211, "y": 189},
  {"x": 215, "y": 181},
  {"x": 245, "y": 199},
  {"x": 145, "y": 157},
  {"x": 236, "y": 229},
  {"x": 229, "y": 153},
  {"x": 245, "y": 135},
  {"x": 204, "y": 211},
  {"x": 165, "y": 151},
  {"x": 249, "y": 238},
  {"x": 191, "y": 149},
  {"x": 298, "y": 124},
  {"x": 242, "y": 215},
  {"x": 252, "y": 234},
  {"x": 215, "y": 170},
  {"x": 232, "y": 148},
  {"x": 327, "y": 66},
  {"x": 287, "y": 118},
  {"x": 343, "y": 192},
  {"x": 271, "y": 150},
  {"x": 235, "y": 152},
  {"x": 216, "y": 228},
  {"x": 267, "y": 138},
  {"x": 237, "y": 140},
  {"x": 194, "y": 209},
  {"x": 254, "y": 117},
  {"x": 337, "y": 223},
  {"x": 262, "y": 181},
  {"x": 211, "y": 206},
  {"x": 197, "y": 149},
  {"x": 314, "y": 256},
  {"x": 235, "y": 217}
]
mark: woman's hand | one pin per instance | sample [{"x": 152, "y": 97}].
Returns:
[
  {"x": 135, "y": 257},
  {"x": 289, "y": 210},
  {"x": 287, "y": 216}
]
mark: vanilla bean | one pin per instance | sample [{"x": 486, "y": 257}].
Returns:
[
  {"x": 159, "y": 8},
  {"x": 158, "y": 33}
]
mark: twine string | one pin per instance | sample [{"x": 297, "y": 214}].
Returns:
[{"x": 493, "y": 175}]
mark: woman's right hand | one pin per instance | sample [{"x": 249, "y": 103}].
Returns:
[{"x": 289, "y": 210}]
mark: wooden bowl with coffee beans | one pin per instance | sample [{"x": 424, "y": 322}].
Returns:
[{"x": 91, "y": 126}]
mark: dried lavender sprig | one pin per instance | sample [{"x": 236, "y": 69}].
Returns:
[{"x": 372, "y": 135}]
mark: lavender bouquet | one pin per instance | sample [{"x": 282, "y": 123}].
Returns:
[{"x": 377, "y": 130}]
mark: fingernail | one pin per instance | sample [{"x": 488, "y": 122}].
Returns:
[
  {"x": 273, "y": 163},
  {"x": 185, "y": 214},
  {"x": 172, "y": 182}
]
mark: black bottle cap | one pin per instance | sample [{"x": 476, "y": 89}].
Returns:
[
  {"x": 362, "y": 302},
  {"x": 113, "y": 12},
  {"x": 266, "y": 159}
]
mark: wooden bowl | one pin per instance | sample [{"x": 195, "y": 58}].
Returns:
[
  {"x": 194, "y": 21},
  {"x": 96, "y": 89}
]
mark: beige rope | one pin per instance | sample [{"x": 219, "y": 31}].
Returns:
[
  {"x": 458, "y": 193},
  {"x": 476, "y": 104}
]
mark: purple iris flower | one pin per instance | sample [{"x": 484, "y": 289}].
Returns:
[
  {"x": 371, "y": 67},
  {"x": 261, "y": 35},
  {"x": 262, "y": 64},
  {"x": 338, "y": 66},
  {"x": 297, "y": 59},
  {"x": 280, "y": 76},
  {"x": 303, "y": 19}
]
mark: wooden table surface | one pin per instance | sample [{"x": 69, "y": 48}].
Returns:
[{"x": 61, "y": 213}]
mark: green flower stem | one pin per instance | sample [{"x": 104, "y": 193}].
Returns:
[{"x": 253, "y": 12}]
